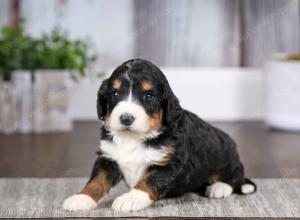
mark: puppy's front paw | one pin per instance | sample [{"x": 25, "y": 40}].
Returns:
[
  {"x": 79, "y": 202},
  {"x": 218, "y": 190},
  {"x": 132, "y": 201}
]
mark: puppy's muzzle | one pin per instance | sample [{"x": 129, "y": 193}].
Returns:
[{"x": 126, "y": 119}]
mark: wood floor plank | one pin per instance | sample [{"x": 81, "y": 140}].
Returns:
[{"x": 265, "y": 153}]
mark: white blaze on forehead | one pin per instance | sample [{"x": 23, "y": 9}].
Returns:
[{"x": 129, "y": 98}]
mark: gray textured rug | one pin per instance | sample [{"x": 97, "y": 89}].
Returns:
[{"x": 42, "y": 198}]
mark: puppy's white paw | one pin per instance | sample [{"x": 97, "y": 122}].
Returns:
[
  {"x": 247, "y": 188},
  {"x": 79, "y": 202},
  {"x": 132, "y": 201},
  {"x": 218, "y": 190}
]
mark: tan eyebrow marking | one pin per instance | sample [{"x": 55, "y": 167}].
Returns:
[
  {"x": 117, "y": 84},
  {"x": 155, "y": 120},
  {"x": 146, "y": 85}
]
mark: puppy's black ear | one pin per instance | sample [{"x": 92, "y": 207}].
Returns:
[
  {"x": 102, "y": 100},
  {"x": 172, "y": 108}
]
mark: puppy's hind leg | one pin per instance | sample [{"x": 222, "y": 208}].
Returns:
[
  {"x": 247, "y": 187},
  {"x": 222, "y": 189},
  {"x": 218, "y": 190}
]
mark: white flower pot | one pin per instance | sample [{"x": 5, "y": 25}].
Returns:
[
  {"x": 1, "y": 102},
  {"x": 282, "y": 95},
  {"x": 22, "y": 81},
  {"x": 52, "y": 101},
  {"x": 8, "y": 108}
]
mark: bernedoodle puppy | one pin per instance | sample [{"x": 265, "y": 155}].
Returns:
[{"x": 158, "y": 148}]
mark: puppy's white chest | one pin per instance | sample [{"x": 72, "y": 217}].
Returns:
[
  {"x": 132, "y": 170},
  {"x": 132, "y": 156}
]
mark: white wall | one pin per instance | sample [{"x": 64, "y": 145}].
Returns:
[
  {"x": 107, "y": 24},
  {"x": 212, "y": 93},
  {"x": 4, "y": 12}
]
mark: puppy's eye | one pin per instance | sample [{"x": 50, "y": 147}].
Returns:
[
  {"x": 148, "y": 96},
  {"x": 114, "y": 94}
]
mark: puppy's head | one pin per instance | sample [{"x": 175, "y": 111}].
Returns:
[{"x": 137, "y": 98}]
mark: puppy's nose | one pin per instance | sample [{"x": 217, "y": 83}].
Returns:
[{"x": 126, "y": 119}]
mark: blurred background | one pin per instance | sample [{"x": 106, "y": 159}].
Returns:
[
  {"x": 235, "y": 63},
  {"x": 191, "y": 33}
]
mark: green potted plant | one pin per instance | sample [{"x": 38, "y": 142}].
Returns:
[
  {"x": 50, "y": 59},
  {"x": 55, "y": 58},
  {"x": 282, "y": 89}
]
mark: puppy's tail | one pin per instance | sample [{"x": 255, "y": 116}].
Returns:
[{"x": 247, "y": 187}]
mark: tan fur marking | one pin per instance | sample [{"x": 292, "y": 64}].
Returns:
[
  {"x": 170, "y": 151},
  {"x": 232, "y": 183},
  {"x": 146, "y": 85},
  {"x": 108, "y": 117},
  {"x": 97, "y": 187},
  {"x": 214, "y": 178},
  {"x": 117, "y": 84},
  {"x": 143, "y": 186},
  {"x": 155, "y": 120}
]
